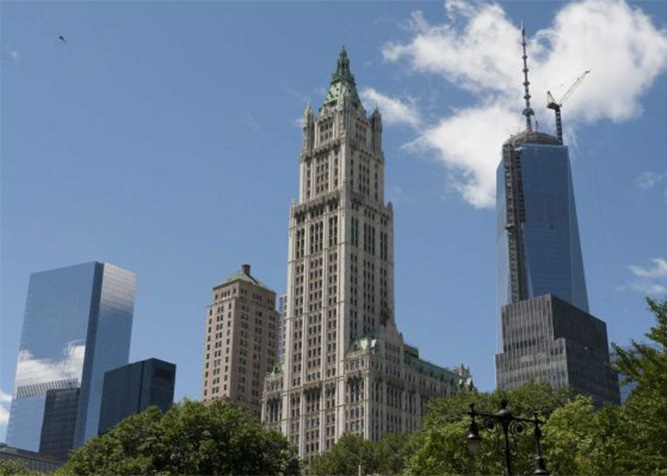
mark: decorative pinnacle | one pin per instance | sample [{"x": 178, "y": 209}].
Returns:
[
  {"x": 343, "y": 67},
  {"x": 342, "y": 83},
  {"x": 528, "y": 111}
]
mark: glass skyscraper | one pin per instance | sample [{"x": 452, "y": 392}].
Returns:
[
  {"x": 546, "y": 332},
  {"x": 77, "y": 325},
  {"x": 537, "y": 232}
]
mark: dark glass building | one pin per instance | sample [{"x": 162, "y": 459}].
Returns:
[
  {"x": 77, "y": 325},
  {"x": 133, "y": 388},
  {"x": 548, "y": 339},
  {"x": 537, "y": 232}
]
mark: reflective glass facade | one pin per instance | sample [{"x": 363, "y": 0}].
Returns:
[
  {"x": 548, "y": 339},
  {"x": 538, "y": 244},
  {"x": 77, "y": 325}
]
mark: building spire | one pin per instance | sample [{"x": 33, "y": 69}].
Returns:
[
  {"x": 528, "y": 111},
  {"x": 342, "y": 83}
]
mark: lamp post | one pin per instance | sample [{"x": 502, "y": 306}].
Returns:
[{"x": 510, "y": 426}]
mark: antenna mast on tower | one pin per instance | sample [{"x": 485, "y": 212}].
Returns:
[{"x": 528, "y": 111}]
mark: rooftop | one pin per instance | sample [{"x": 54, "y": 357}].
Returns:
[
  {"x": 342, "y": 83},
  {"x": 244, "y": 275}
]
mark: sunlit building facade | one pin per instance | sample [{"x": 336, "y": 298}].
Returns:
[
  {"x": 242, "y": 337},
  {"x": 346, "y": 367},
  {"x": 77, "y": 325}
]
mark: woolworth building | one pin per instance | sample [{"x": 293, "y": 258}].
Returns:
[{"x": 345, "y": 367}]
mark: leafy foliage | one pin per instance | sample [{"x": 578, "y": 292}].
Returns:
[
  {"x": 384, "y": 457},
  {"x": 578, "y": 438},
  {"x": 643, "y": 442},
  {"x": 440, "y": 446},
  {"x": 12, "y": 467},
  {"x": 190, "y": 438}
]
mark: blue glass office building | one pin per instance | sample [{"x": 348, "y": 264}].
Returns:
[
  {"x": 537, "y": 232},
  {"x": 77, "y": 325}
]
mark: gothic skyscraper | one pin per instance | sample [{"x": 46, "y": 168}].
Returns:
[{"x": 346, "y": 368}]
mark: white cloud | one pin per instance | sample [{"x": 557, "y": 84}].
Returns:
[
  {"x": 394, "y": 111},
  {"x": 659, "y": 270},
  {"x": 51, "y": 370},
  {"x": 478, "y": 50},
  {"x": 467, "y": 153},
  {"x": 648, "y": 180},
  {"x": 5, "y": 402},
  {"x": 648, "y": 288},
  {"x": 649, "y": 280},
  {"x": 5, "y": 397}
]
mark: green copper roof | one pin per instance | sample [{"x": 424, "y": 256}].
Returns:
[
  {"x": 342, "y": 82},
  {"x": 247, "y": 277}
]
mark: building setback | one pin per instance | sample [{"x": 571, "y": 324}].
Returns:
[
  {"x": 77, "y": 325},
  {"x": 133, "y": 388},
  {"x": 547, "y": 332},
  {"x": 346, "y": 368},
  {"x": 241, "y": 341},
  {"x": 549, "y": 339}
]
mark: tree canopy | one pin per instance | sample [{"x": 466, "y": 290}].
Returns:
[
  {"x": 578, "y": 438},
  {"x": 190, "y": 438},
  {"x": 12, "y": 467},
  {"x": 352, "y": 453}
]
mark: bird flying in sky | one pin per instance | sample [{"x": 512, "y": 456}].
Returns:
[{"x": 62, "y": 38}]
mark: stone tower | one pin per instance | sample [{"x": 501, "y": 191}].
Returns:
[{"x": 346, "y": 368}]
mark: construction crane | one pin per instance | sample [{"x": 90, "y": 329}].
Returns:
[{"x": 556, "y": 105}]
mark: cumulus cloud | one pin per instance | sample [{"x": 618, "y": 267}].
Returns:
[
  {"x": 648, "y": 288},
  {"x": 658, "y": 270},
  {"x": 649, "y": 280},
  {"x": 394, "y": 111},
  {"x": 648, "y": 180},
  {"x": 32, "y": 370},
  {"x": 5, "y": 402},
  {"x": 477, "y": 49}
]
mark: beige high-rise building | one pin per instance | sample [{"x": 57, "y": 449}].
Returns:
[
  {"x": 241, "y": 341},
  {"x": 346, "y": 368}
]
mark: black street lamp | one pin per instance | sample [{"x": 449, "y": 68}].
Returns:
[{"x": 511, "y": 426}]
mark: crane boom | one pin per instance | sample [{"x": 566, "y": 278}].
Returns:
[
  {"x": 576, "y": 84},
  {"x": 556, "y": 105}
]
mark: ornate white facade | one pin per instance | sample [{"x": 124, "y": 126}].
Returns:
[{"x": 346, "y": 368}]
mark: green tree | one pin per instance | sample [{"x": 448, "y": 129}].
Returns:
[
  {"x": 392, "y": 453},
  {"x": 643, "y": 447},
  {"x": 386, "y": 457},
  {"x": 440, "y": 448},
  {"x": 190, "y": 438},
  {"x": 12, "y": 467},
  {"x": 345, "y": 457}
]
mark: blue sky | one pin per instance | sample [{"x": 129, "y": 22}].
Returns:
[{"x": 158, "y": 128}]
